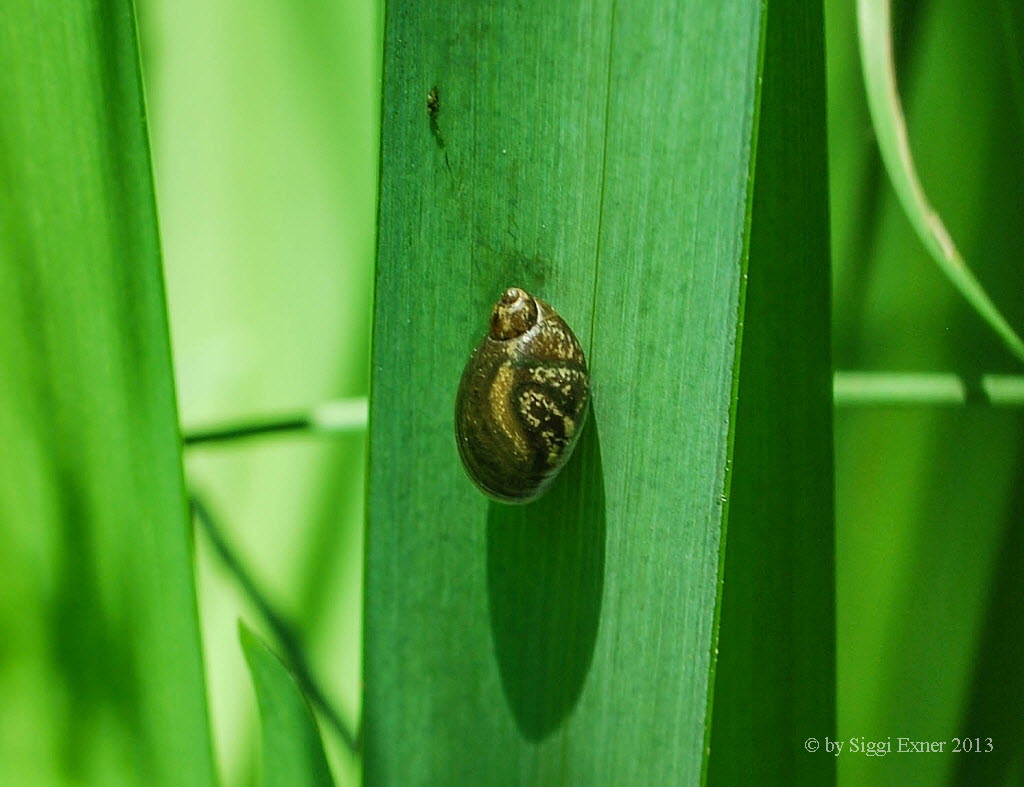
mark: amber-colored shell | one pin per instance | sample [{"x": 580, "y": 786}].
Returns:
[{"x": 522, "y": 400}]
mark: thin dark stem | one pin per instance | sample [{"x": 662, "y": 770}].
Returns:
[
  {"x": 286, "y": 634},
  {"x": 220, "y": 434},
  {"x": 852, "y": 389},
  {"x": 338, "y": 416}
]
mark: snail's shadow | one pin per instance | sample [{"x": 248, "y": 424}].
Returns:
[{"x": 545, "y": 575}]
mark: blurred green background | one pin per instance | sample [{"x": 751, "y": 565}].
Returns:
[
  {"x": 928, "y": 501},
  {"x": 263, "y": 119},
  {"x": 264, "y": 125}
]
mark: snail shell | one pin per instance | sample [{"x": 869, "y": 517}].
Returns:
[{"x": 522, "y": 400}]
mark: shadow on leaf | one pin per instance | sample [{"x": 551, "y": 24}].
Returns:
[{"x": 545, "y": 575}]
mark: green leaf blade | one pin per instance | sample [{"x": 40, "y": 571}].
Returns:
[
  {"x": 97, "y": 559},
  {"x": 600, "y": 157},
  {"x": 775, "y": 678},
  {"x": 890, "y": 126},
  {"x": 293, "y": 753}
]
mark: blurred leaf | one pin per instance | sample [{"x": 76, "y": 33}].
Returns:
[
  {"x": 891, "y": 131},
  {"x": 600, "y": 157},
  {"x": 101, "y": 673},
  {"x": 992, "y": 711},
  {"x": 924, "y": 494},
  {"x": 292, "y": 752},
  {"x": 265, "y": 126},
  {"x": 775, "y": 679}
]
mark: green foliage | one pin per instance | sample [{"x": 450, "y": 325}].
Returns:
[
  {"x": 928, "y": 500},
  {"x": 292, "y": 753},
  {"x": 775, "y": 680},
  {"x": 875, "y": 28},
  {"x": 265, "y": 130},
  {"x": 101, "y": 673},
  {"x": 600, "y": 157}
]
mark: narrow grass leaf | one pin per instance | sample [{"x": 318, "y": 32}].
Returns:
[
  {"x": 599, "y": 156},
  {"x": 891, "y": 131},
  {"x": 103, "y": 683},
  {"x": 293, "y": 754}
]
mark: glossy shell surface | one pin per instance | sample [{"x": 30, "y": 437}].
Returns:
[{"x": 522, "y": 401}]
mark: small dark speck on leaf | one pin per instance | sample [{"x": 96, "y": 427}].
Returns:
[{"x": 433, "y": 109}]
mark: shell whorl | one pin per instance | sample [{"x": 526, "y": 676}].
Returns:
[{"x": 522, "y": 401}]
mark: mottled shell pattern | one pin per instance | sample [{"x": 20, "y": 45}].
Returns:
[{"x": 522, "y": 400}]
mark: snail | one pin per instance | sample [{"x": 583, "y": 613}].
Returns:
[{"x": 522, "y": 400}]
